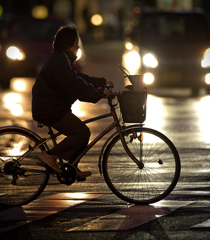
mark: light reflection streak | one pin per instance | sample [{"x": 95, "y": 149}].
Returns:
[
  {"x": 204, "y": 118},
  {"x": 12, "y": 101},
  {"x": 76, "y": 109},
  {"x": 78, "y": 195},
  {"x": 16, "y": 151},
  {"x": 154, "y": 112}
]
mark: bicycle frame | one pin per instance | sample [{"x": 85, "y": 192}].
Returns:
[
  {"x": 107, "y": 130},
  {"x": 115, "y": 124},
  {"x": 121, "y": 159}
]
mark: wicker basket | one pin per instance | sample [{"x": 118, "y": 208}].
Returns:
[{"x": 133, "y": 106}]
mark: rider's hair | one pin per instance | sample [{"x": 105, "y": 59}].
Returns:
[{"x": 65, "y": 37}]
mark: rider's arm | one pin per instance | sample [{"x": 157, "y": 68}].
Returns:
[
  {"x": 86, "y": 88},
  {"x": 60, "y": 75}
]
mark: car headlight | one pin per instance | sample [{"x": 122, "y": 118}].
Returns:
[
  {"x": 206, "y": 60},
  {"x": 132, "y": 61},
  {"x": 150, "y": 60},
  {"x": 15, "y": 53},
  {"x": 128, "y": 46},
  {"x": 207, "y": 78},
  {"x": 148, "y": 78}
]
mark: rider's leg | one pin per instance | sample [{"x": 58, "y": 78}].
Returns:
[
  {"x": 50, "y": 160},
  {"x": 77, "y": 138}
]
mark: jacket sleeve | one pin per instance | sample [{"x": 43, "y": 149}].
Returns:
[
  {"x": 71, "y": 83},
  {"x": 94, "y": 80},
  {"x": 88, "y": 89}
]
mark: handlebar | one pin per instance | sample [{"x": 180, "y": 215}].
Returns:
[
  {"x": 109, "y": 87},
  {"x": 112, "y": 95}
]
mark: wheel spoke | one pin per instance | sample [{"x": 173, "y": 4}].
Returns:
[
  {"x": 161, "y": 166},
  {"x": 17, "y": 185}
]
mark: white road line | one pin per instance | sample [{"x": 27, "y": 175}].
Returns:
[
  {"x": 202, "y": 225},
  {"x": 41, "y": 208},
  {"x": 185, "y": 192},
  {"x": 124, "y": 219},
  {"x": 205, "y": 224},
  {"x": 131, "y": 217}
]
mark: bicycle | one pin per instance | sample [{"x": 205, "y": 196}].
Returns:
[{"x": 140, "y": 165}]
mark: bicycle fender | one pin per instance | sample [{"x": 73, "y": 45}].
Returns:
[{"x": 108, "y": 141}]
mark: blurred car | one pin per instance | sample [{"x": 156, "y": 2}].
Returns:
[
  {"x": 171, "y": 49},
  {"x": 25, "y": 44}
]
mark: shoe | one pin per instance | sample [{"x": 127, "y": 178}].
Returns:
[
  {"x": 50, "y": 160},
  {"x": 81, "y": 176}
]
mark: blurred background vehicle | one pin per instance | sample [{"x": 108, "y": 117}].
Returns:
[
  {"x": 171, "y": 48},
  {"x": 25, "y": 44}
]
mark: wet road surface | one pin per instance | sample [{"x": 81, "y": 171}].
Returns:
[{"x": 88, "y": 210}]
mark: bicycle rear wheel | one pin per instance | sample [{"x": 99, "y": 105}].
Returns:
[
  {"x": 23, "y": 182},
  {"x": 159, "y": 175}
]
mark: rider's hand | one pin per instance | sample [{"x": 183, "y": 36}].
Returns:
[
  {"x": 110, "y": 82},
  {"x": 106, "y": 93}
]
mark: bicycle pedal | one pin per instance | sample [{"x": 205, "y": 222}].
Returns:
[{"x": 81, "y": 179}]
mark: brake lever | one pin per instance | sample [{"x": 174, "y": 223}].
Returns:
[
  {"x": 109, "y": 87},
  {"x": 112, "y": 95}
]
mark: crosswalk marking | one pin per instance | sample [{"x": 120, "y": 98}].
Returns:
[
  {"x": 42, "y": 208},
  {"x": 205, "y": 224},
  {"x": 200, "y": 193},
  {"x": 131, "y": 217},
  {"x": 125, "y": 219}
]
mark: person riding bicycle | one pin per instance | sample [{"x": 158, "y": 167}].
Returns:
[{"x": 58, "y": 85}]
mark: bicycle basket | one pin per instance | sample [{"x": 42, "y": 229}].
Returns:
[{"x": 133, "y": 106}]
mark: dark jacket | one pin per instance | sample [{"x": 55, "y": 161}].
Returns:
[{"x": 59, "y": 85}]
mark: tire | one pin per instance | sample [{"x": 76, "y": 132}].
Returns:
[
  {"x": 28, "y": 185},
  {"x": 159, "y": 175}
]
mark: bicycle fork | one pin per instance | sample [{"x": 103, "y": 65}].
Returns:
[{"x": 138, "y": 163}]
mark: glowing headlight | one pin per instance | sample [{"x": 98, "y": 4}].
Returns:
[
  {"x": 207, "y": 78},
  {"x": 150, "y": 61},
  {"x": 148, "y": 78},
  {"x": 206, "y": 60},
  {"x": 128, "y": 45},
  {"x": 15, "y": 53},
  {"x": 132, "y": 61}
]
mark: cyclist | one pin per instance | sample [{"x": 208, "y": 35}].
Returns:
[{"x": 57, "y": 87}]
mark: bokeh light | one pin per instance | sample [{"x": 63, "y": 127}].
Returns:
[
  {"x": 1, "y": 10},
  {"x": 137, "y": 10},
  {"x": 148, "y": 78},
  {"x": 40, "y": 12},
  {"x": 128, "y": 45},
  {"x": 15, "y": 53},
  {"x": 97, "y": 20},
  {"x": 12, "y": 101},
  {"x": 77, "y": 109},
  {"x": 132, "y": 61}
]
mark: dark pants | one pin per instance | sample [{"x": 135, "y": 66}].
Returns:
[{"x": 77, "y": 137}]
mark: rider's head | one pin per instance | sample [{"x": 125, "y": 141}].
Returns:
[{"x": 66, "y": 38}]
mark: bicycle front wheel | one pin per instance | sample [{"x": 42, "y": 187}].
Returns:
[
  {"x": 20, "y": 182},
  {"x": 160, "y": 172}
]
